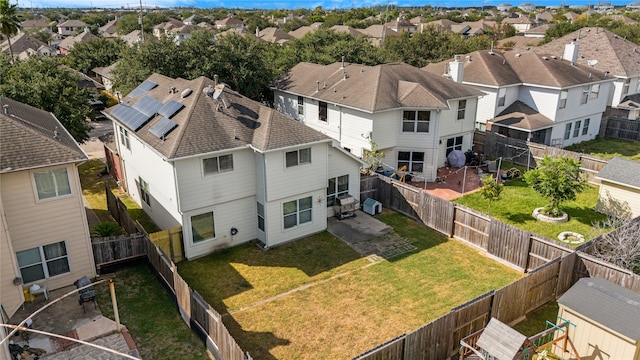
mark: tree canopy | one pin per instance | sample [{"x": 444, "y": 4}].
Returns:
[
  {"x": 95, "y": 52},
  {"x": 9, "y": 21}
]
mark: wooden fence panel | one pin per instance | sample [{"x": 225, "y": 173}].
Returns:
[
  {"x": 183, "y": 296},
  {"x": 220, "y": 341},
  {"x": 199, "y": 312},
  {"x": 368, "y": 187},
  {"x": 624, "y": 129},
  {"x": 541, "y": 285},
  {"x": 432, "y": 341},
  {"x": 391, "y": 350},
  {"x": 600, "y": 269},
  {"x": 109, "y": 250},
  {"x": 544, "y": 250},
  {"x": 471, "y": 226},
  {"x": 566, "y": 277},
  {"x": 405, "y": 199},
  {"x": 509, "y": 301},
  {"x": 438, "y": 213},
  {"x": 170, "y": 242},
  {"x": 509, "y": 243},
  {"x": 471, "y": 317}
]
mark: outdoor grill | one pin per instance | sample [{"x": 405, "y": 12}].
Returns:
[
  {"x": 344, "y": 206},
  {"x": 87, "y": 294}
]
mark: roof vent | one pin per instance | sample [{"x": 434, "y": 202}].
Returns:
[
  {"x": 318, "y": 85},
  {"x": 186, "y": 93},
  {"x": 592, "y": 63},
  {"x": 468, "y": 58},
  {"x": 518, "y": 55},
  {"x": 545, "y": 58},
  {"x": 554, "y": 57},
  {"x": 6, "y": 109}
]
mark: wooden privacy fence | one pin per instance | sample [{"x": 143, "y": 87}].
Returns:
[
  {"x": 170, "y": 241},
  {"x": 118, "y": 210},
  {"x": 621, "y": 128},
  {"x": 113, "y": 249}
]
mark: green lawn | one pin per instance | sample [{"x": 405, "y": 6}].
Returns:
[
  {"x": 518, "y": 201},
  {"x": 608, "y": 148},
  {"x": 316, "y": 298},
  {"x": 536, "y": 321}
]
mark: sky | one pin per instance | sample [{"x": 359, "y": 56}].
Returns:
[{"x": 290, "y": 4}]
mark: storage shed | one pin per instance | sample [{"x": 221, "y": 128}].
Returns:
[
  {"x": 372, "y": 206},
  {"x": 620, "y": 181},
  {"x": 606, "y": 318}
]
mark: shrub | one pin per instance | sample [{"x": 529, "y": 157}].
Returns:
[{"x": 106, "y": 228}]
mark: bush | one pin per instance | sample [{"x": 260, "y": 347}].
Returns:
[{"x": 106, "y": 228}]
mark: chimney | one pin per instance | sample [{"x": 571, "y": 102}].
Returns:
[
  {"x": 571, "y": 52},
  {"x": 342, "y": 62},
  {"x": 215, "y": 80},
  {"x": 456, "y": 69}
]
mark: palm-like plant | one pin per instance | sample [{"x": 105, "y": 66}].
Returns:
[{"x": 9, "y": 21}]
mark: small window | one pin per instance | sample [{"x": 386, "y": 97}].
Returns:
[
  {"x": 567, "y": 131},
  {"x": 576, "y": 129},
  {"x": 454, "y": 144},
  {"x": 585, "y": 94},
  {"x": 43, "y": 262},
  {"x": 625, "y": 87},
  {"x": 563, "y": 99},
  {"x": 300, "y": 105},
  {"x": 595, "y": 91},
  {"x": 502, "y": 96},
  {"x": 218, "y": 164},
  {"x": 203, "y": 227},
  {"x": 124, "y": 138},
  {"x": 462, "y": 107},
  {"x": 414, "y": 161},
  {"x": 585, "y": 126},
  {"x": 322, "y": 111},
  {"x": 297, "y": 212},
  {"x": 415, "y": 121},
  {"x": 52, "y": 183},
  {"x": 337, "y": 186},
  {"x": 298, "y": 157},
  {"x": 144, "y": 192},
  {"x": 260, "y": 216}
]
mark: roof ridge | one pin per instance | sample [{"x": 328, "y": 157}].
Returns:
[{"x": 198, "y": 93}]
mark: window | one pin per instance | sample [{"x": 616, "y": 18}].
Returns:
[
  {"x": 43, "y": 262},
  {"x": 415, "y": 121},
  {"x": 218, "y": 164},
  {"x": 454, "y": 144},
  {"x": 563, "y": 99},
  {"x": 124, "y": 138},
  {"x": 322, "y": 111},
  {"x": 298, "y": 157},
  {"x": 585, "y": 94},
  {"x": 576, "y": 129},
  {"x": 595, "y": 91},
  {"x": 585, "y": 127},
  {"x": 300, "y": 105},
  {"x": 260, "y": 216},
  {"x": 202, "y": 227},
  {"x": 625, "y": 86},
  {"x": 413, "y": 160},
  {"x": 52, "y": 183},
  {"x": 337, "y": 186},
  {"x": 144, "y": 192},
  {"x": 296, "y": 212},
  {"x": 567, "y": 131},
  {"x": 502, "y": 96},
  {"x": 462, "y": 106}
]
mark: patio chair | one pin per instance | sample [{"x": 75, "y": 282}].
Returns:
[{"x": 492, "y": 168}]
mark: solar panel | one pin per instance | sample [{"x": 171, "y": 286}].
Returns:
[
  {"x": 143, "y": 88},
  {"x": 162, "y": 127},
  {"x": 130, "y": 117},
  {"x": 148, "y": 106},
  {"x": 169, "y": 109}
]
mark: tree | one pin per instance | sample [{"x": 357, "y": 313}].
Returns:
[
  {"x": 373, "y": 157},
  {"x": 96, "y": 52},
  {"x": 490, "y": 190},
  {"x": 620, "y": 246},
  {"x": 9, "y": 21},
  {"x": 558, "y": 179}
]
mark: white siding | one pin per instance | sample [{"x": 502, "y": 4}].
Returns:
[
  {"x": 355, "y": 129},
  {"x": 386, "y": 128},
  {"x": 11, "y": 296},
  {"x": 341, "y": 164},
  {"x": 623, "y": 194},
  {"x": 449, "y": 123},
  {"x": 487, "y": 105},
  {"x": 261, "y": 196},
  {"x": 288, "y": 105}
]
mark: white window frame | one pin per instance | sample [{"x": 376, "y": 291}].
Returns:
[
  {"x": 502, "y": 96},
  {"x": 585, "y": 126},
  {"x": 213, "y": 223},
  {"x": 334, "y": 188},
  {"x": 143, "y": 187},
  {"x": 562, "y": 103},
  {"x": 567, "y": 131},
  {"x": 260, "y": 213},
  {"x": 300, "y": 215},
  {"x": 300, "y": 105},
  {"x": 124, "y": 138},
  {"x": 576, "y": 128},
  {"x": 455, "y": 145},
  {"x": 585, "y": 94},
  {"x": 48, "y": 182},
  {"x": 302, "y": 157},
  {"x": 625, "y": 86},
  {"x": 44, "y": 261},
  {"x": 411, "y": 162},
  {"x": 595, "y": 91},
  {"x": 462, "y": 109},
  {"x": 217, "y": 164},
  {"x": 414, "y": 121},
  {"x": 323, "y": 111}
]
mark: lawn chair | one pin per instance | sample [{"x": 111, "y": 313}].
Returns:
[
  {"x": 492, "y": 168},
  {"x": 87, "y": 294}
]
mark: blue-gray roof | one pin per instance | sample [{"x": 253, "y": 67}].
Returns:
[
  {"x": 591, "y": 296},
  {"x": 621, "y": 171}
]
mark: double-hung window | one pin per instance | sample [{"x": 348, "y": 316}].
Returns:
[
  {"x": 297, "y": 212},
  {"x": 43, "y": 262},
  {"x": 144, "y": 191},
  {"x": 52, "y": 183},
  {"x": 413, "y": 160},
  {"x": 337, "y": 186},
  {"x": 567, "y": 131},
  {"x": 203, "y": 227},
  {"x": 300, "y": 105},
  {"x": 625, "y": 86},
  {"x": 462, "y": 109},
  {"x": 564, "y": 94},
  {"x": 576, "y": 128},
  {"x": 502, "y": 96},
  {"x": 298, "y": 157},
  {"x": 322, "y": 111},
  {"x": 218, "y": 164},
  {"x": 260, "y": 216},
  {"x": 585, "y": 126},
  {"x": 595, "y": 91},
  {"x": 124, "y": 138},
  {"x": 585, "y": 94},
  {"x": 454, "y": 144},
  {"x": 415, "y": 121}
]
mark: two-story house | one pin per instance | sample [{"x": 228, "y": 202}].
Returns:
[
  {"x": 44, "y": 234},
  {"x": 224, "y": 167},
  {"x": 542, "y": 99},
  {"x": 70, "y": 27},
  {"x": 416, "y": 118}
]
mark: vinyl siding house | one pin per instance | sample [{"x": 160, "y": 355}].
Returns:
[
  {"x": 416, "y": 118},
  {"x": 543, "y": 99},
  {"x": 70, "y": 27},
  {"x": 44, "y": 234},
  {"x": 226, "y": 168},
  {"x": 620, "y": 184}
]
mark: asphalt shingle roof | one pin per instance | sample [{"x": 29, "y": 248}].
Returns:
[
  {"x": 206, "y": 126},
  {"x": 622, "y": 171},
  {"x": 589, "y": 296},
  {"x": 32, "y": 138},
  {"x": 519, "y": 115}
]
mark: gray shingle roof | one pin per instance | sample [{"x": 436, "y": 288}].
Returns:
[
  {"x": 520, "y": 116},
  {"x": 589, "y": 296},
  {"x": 373, "y": 88},
  {"x": 621, "y": 171},
  {"x": 500, "y": 340},
  {"x": 202, "y": 129},
  {"x": 28, "y": 139}
]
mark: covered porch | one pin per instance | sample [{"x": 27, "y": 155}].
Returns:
[{"x": 520, "y": 121}]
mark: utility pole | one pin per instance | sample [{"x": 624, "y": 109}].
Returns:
[{"x": 141, "y": 25}]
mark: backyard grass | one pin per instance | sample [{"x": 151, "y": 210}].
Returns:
[
  {"x": 536, "y": 320},
  {"x": 518, "y": 201},
  {"x": 608, "y": 148},
  {"x": 150, "y": 315},
  {"x": 316, "y": 298}
]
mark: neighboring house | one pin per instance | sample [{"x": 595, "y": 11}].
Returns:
[
  {"x": 164, "y": 28},
  {"x": 226, "y": 168},
  {"x": 300, "y": 32},
  {"x": 521, "y": 23},
  {"x": 571, "y": 16},
  {"x": 538, "y": 31},
  {"x": 606, "y": 52},
  {"x": 105, "y": 76},
  {"x": 401, "y": 25},
  {"x": 542, "y": 99},
  {"x": 527, "y": 7},
  {"x": 133, "y": 37},
  {"x": 347, "y": 30},
  {"x": 181, "y": 33},
  {"x": 416, "y": 118},
  {"x": 67, "y": 44},
  {"x": 229, "y": 23},
  {"x": 377, "y": 33},
  {"x": 597, "y": 333},
  {"x": 504, "y": 7},
  {"x": 70, "y": 27},
  {"x": 34, "y": 25},
  {"x": 44, "y": 234},
  {"x": 24, "y": 45},
  {"x": 273, "y": 35},
  {"x": 108, "y": 29},
  {"x": 190, "y": 20},
  {"x": 620, "y": 182},
  {"x": 544, "y": 17}
]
